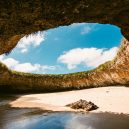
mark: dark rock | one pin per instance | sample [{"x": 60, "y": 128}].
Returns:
[
  {"x": 21, "y": 17},
  {"x": 83, "y": 104}
]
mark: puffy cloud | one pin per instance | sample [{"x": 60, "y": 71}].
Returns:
[
  {"x": 88, "y": 28},
  {"x": 25, "y": 67},
  {"x": 10, "y": 62},
  {"x": 89, "y": 57},
  {"x": 85, "y": 28},
  {"x": 37, "y": 68},
  {"x": 32, "y": 40}
]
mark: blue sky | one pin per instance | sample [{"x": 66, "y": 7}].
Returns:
[{"x": 74, "y": 48}]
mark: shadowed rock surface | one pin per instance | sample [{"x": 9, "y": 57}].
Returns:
[
  {"x": 112, "y": 73},
  {"x": 20, "y": 18},
  {"x": 83, "y": 104}
]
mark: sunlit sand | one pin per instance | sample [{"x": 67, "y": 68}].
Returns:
[{"x": 108, "y": 99}]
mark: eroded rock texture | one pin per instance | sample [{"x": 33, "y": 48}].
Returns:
[
  {"x": 83, "y": 105},
  {"x": 112, "y": 73},
  {"x": 22, "y": 17}
]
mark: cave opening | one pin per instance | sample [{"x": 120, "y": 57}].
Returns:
[{"x": 66, "y": 49}]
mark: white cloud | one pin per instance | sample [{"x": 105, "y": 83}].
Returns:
[
  {"x": 25, "y": 67},
  {"x": 88, "y": 28},
  {"x": 32, "y": 40},
  {"x": 1, "y": 57},
  {"x": 10, "y": 62},
  {"x": 89, "y": 57},
  {"x": 28, "y": 67},
  {"x": 77, "y": 24}
]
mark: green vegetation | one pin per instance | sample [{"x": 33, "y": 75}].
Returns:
[
  {"x": 103, "y": 75},
  {"x": 104, "y": 66},
  {"x": 20, "y": 18},
  {"x": 65, "y": 76}
]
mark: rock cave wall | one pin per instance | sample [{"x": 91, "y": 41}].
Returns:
[{"x": 20, "y": 18}]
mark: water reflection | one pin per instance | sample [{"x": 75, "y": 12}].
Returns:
[{"x": 12, "y": 118}]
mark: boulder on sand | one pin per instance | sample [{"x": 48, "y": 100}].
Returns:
[{"x": 83, "y": 104}]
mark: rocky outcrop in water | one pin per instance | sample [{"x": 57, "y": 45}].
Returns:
[{"x": 83, "y": 104}]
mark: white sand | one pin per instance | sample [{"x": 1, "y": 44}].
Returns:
[{"x": 108, "y": 99}]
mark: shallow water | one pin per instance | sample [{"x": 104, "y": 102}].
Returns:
[{"x": 14, "y": 118}]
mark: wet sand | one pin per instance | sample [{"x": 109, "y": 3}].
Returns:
[
  {"x": 33, "y": 118},
  {"x": 108, "y": 99}
]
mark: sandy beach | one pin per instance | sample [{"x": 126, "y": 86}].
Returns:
[{"x": 108, "y": 99}]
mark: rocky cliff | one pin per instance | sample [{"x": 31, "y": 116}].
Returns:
[
  {"x": 20, "y": 17},
  {"x": 115, "y": 72}
]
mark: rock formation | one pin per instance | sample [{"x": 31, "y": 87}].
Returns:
[
  {"x": 83, "y": 104},
  {"x": 20, "y": 18},
  {"x": 115, "y": 72}
]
